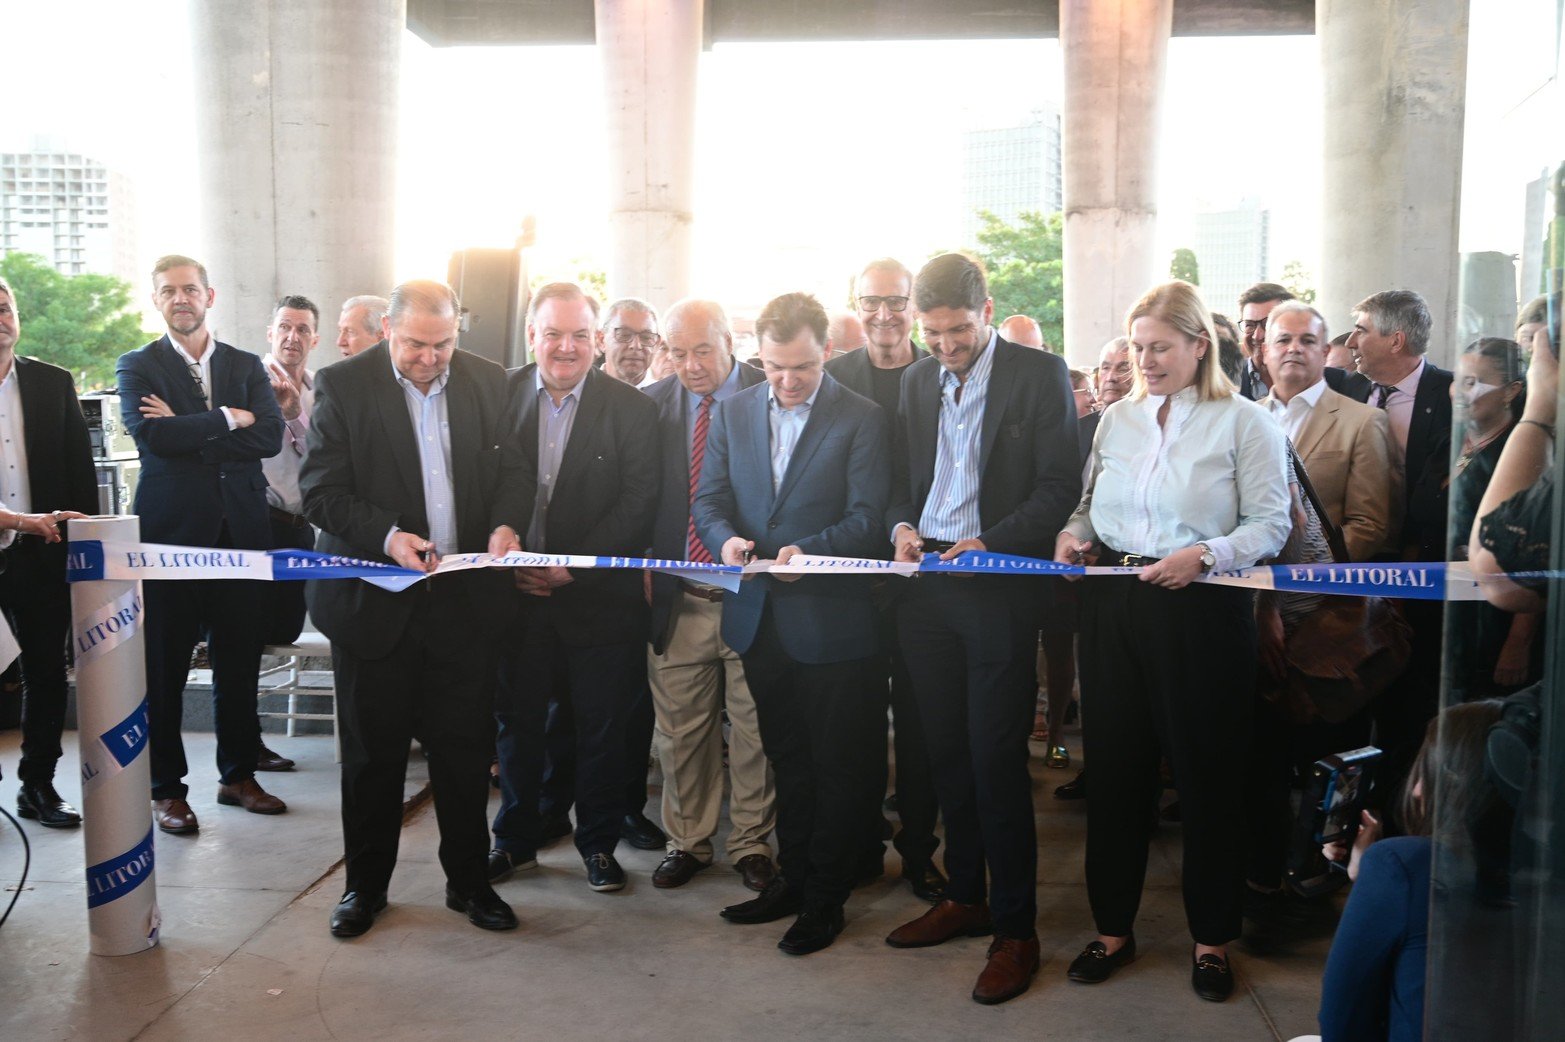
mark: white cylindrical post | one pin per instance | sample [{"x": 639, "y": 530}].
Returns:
[{"x": 111, "y": 714}]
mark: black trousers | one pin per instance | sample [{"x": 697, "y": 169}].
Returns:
[
  {"x": 35, "y": 597},
  {"x": 229, "y": 613},
  {"x": 1170, "y": 672},
  {"x": 558, "y": 791},
  {"x": 437, "y": 685},
  {"x": 599, "y": 684},
  {"x": 285, "y": 611},
  {"x": 917, "y": 806},
  {"x": 823, "y": 733},
  {"x": 970, "y": 645}
]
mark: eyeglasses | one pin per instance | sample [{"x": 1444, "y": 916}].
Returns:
[
  {"x": 646, "y": 338},
  {"x": 891, "y": 303},
  {"x": 195, "y": 377},
  {"x": 1251, "y": 325}
]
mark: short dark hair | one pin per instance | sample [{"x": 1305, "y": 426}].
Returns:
[
  {"x": 785, "y": 317},
  {"x": 1398, "y": 311},
  {"x": 951, "y": 280},
  {"x": 1229, "y": 357},
  {"x": 297, "y": 303},
  {"x": 178, "y": 260},
  {"x": 1264, "y": 293},
  {"x": 424, "y": 295}
]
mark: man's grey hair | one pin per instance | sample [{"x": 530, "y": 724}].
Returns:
[
  {"x": 423, "y": 295},
  {"x": 375, "y": 309},
  {"x": 627, "y": 304},
  {"x": 691, "y": 310},
  {"x": 1398, "y": 311},
  {"x": 1295, "y": 307},
  {"x": 5, "y": 287}
]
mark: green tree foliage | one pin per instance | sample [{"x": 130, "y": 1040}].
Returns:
[
  {"x": 78, "y": 322},
  {"x": 1025, "y": 262},
  {"x": 1298, "y": 280},
  {"x": 1184, "y": 266}
]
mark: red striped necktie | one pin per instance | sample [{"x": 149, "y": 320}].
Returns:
[{"x": 696, "y": 549}]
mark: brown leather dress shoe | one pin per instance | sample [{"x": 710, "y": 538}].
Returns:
[
  {"x": 946, "y": 920},
  {"x": 249, "y": 795},
  {"x": 1009, "y": 972},
  {"x": 757, "y": 870},
  {"x": 677, "y": 868},
  {"x": 174, "y": 817},
  {"x": 267, "y": 760}
]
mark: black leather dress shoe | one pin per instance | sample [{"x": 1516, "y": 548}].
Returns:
[
  {"x": 638, "y": 830},
  {"x": 1211, "y": 977},
  {"x": 604, "y": 873},
  {"x": 484, "y": 909},
  {"x": 502, "y": 863},
  {"x": 925, "y": 879},
  {"x": 555, "y": 826},
  {"x": 1075, "y": 789},
  {"x": 267, "y": 760},
  {"x": 758, "y": 871},
  {"x": 39, "y": 800},
  {"x": 1095, "y": 965},
  {"x": 815, "y": 929},
  {"x": 355, "y": 913},
  {"x": 777, "y": 901},
  {"x": 677, "y": 868}
]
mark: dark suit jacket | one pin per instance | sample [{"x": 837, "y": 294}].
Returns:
[
  {"x": 361, "y": 476},
  {"x": 830, "y": 501},
  {"x": 1029, "y": 462},
  {"x": 852, "y": 370},
  {"x": 603, "y": 504},
  {"x": 1427, "y": 464},
  {"x": 60, "y": 474},
  {"x": 196, "y": 474},
  {"x": 671, "y": 529}
]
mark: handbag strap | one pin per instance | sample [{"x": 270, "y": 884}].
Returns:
[{"x": 1339, "y": 548}]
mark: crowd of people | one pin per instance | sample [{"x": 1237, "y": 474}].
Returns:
[{"x": 1199, "y": 444}]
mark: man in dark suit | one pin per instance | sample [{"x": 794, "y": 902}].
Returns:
[
  {"x": 1255, "y": 304},
  {"x": 695, "y": 676},
  {"x": 407, "y": 463},
  {"x": 798, "y": 467},
  {"x": 1390, "y": 335},
  {"x": 883, "y": 295},
  {"x": 589, "y": 443},
  {"x": 986, "y": 460},
  {"x": 48, "y": 479},
  {"x": 204, "y": 416}
]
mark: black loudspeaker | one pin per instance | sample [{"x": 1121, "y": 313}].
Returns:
[{"x": 492, "y": 286}]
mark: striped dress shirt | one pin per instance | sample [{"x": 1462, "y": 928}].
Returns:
[{"x": 951, "y": 511}]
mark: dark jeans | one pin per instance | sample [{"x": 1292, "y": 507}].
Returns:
[
  {"x": 558, "y": 791},
  {"x": 599, "y": 684},
  {"x": 285, "y": 600},
  {"x": 1168, "y": 672},
  {"x": 823, "y": 734},
  {"x": 970, "y": 645},
  {"x": 179, "y": 612},
  {"x": 437, "y": 685},
  {"x": 36, "y": 599}
]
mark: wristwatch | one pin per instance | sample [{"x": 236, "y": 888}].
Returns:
[{"x": 1208, "y": 559}]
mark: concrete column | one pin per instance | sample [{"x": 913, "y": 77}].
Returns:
[
  {"x": 1116, "y": 52},
  {"x": 296, "y": 123},
  {"x": 650, "y": 49},
  {"x": 1394, "y": 86}
]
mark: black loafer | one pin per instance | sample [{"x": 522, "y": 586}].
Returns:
[
  {"x": 1211, "y": 977},
  {"x": 356, "y": 912},
  {"x": 1095, "y": 965},
  {"x": 39, "y": 800},
  {"x": 604, "y": 873},
  {"x": 777, "y": 901},
  {"x": 1075, "y": 789},
  {"x": 484, "y": 909},
  {"x": 925, "y": 879},
  {"x": 502, "y": 863},
  {"x": 637, "y": 830},
  {"x": 815, "y": 929}
]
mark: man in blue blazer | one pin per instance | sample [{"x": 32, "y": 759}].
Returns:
[
  {"x": 204, "y": 416},
  {"x": 986, "y": 459},
  {"x": 798, "y": 466}
]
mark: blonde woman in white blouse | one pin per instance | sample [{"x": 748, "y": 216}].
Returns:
[{"x": 1187, "y": 477}]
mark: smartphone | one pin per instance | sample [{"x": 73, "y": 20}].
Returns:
[{"x": 1335, "y": 795}]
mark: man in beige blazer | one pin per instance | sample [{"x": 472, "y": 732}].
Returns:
[{"x": 1345, "y": 445}]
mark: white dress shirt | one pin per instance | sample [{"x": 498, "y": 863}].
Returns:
[
  {"x": 1296, "y": 412},
  {"x": 1216, "y": 472},
  {"x": 15, "y": 490},
  {"x": 205, "y": 368}
]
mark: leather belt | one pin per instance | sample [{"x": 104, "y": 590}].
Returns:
[
  {"x": 702, "y": 593},
  {"x": 291, "y": 520},
  {"x": 1115, "y": 558}
]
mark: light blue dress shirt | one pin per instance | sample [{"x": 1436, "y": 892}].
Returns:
[
  {"x": 554, "y": 433},
  {"x": 787, "y": 426},
  {"x": 432, "y": 434},
  {"x": 951, "y": 509}
]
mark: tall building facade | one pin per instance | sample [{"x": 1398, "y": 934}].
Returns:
[
  {"x": 1008, "y": 170},
  {"x": 68, "y": 208},
  {"x": 1231, "y": 250}
]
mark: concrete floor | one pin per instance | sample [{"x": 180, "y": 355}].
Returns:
[{"x": 245, "y": 953}]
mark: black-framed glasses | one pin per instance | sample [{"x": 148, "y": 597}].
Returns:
[
  {"x": 195, "y": 377},
  {"x": 1251, "y": 325},
  {"x": 647, "y": 338},
  {"x": 874, "y": 303}
]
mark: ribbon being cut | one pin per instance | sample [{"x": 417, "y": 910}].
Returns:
[{"x": 92, "y": 560}]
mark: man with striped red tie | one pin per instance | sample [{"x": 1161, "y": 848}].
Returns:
[{"x": 694, "y": 674}]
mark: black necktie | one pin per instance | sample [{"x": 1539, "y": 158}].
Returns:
[{"x": 1384, "y": 393}]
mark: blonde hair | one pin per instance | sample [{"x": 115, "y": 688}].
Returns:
[{"x": 1178, "y": 304}]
